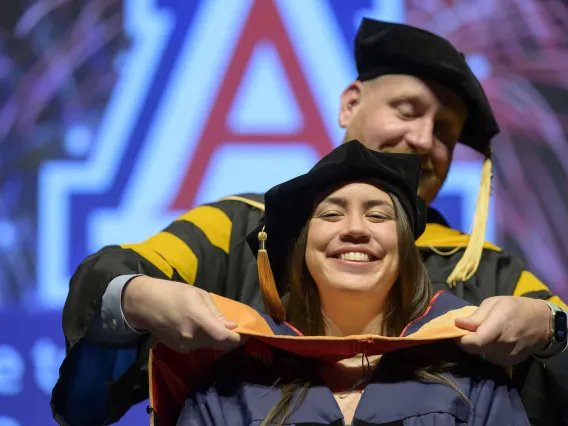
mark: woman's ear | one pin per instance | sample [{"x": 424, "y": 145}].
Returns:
[{"x": 350, "y": 101}]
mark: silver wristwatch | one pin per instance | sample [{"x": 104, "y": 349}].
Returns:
[{"x": 558, "y": 330}]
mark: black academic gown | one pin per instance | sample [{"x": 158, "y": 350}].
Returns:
[{"x": 112, "y": 379}]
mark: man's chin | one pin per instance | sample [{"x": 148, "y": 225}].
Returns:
[{"x": 428, "y": 193}]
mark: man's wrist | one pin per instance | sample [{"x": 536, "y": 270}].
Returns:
[
  {"x": 557, "y": 342},
  {"x": 132, "y": 302}
]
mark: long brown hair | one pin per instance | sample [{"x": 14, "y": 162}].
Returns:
[{"x": 407, "y": 300}]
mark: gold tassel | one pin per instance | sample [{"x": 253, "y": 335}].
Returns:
[
  {"x": 270, "y": 297},
  {"x": 469, "y": 262}
]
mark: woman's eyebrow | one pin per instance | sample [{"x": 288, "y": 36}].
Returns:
[
  {"x": 342, "y": 202},
  {"x": 338, "y": 201},
  {"x": 376, "y": 203}
]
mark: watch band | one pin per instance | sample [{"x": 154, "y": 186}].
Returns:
[{"x": 557, "y": 336}]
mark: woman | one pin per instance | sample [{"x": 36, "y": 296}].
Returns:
[{"x": 341, "y": 245}]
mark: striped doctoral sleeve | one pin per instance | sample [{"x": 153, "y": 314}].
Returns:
[{"x": 200, "y": 236}]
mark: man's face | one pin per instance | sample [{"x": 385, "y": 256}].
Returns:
[{"x": 401, "y": 113}]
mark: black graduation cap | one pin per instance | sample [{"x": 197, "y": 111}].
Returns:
[
  {"x": 289, "y": 206},
  {"x": 389, "y": 48}
]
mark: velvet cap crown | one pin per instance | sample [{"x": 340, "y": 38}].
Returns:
[{"x": 387, "y": 48}]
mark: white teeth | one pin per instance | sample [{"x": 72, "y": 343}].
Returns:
[{"x": 355, "y": 256}]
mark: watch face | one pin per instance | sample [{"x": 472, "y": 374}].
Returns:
[{"x": 560, "y": 323}]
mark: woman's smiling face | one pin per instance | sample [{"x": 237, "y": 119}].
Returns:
[{"x": 352, "y": 241}]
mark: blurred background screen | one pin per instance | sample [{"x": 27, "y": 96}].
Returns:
[{"x": 118, "y": 115}]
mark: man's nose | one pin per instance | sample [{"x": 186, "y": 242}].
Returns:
[{"x": 420, "y": 139}]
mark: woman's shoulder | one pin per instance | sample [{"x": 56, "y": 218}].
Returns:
[
  {"x": 443, "y": 303},
  {"x": 280, "y": 328}
]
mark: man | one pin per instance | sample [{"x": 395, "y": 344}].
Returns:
[{"x": 414, "y": 93}]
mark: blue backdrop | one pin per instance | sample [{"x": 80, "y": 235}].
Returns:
[{"x": 210, "y": 99}]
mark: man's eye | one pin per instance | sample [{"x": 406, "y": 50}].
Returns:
[{"x": 406, "y": 110}]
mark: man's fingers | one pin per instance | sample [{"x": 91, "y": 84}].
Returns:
[
  {"x": 470, "y": 344},
  {"x": 214, "y": 332},
  {"x": 485, "y": 334},
  {"x": 208, "y": 300},
  {"x": 219, "y": 337},
  {"x": 472, "y": 322},
  {"x": 232, "y": 341}
]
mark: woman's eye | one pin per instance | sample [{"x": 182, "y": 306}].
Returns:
[
  {"x": 330, "y": 215},
  {"x": 378, "y": 216}
]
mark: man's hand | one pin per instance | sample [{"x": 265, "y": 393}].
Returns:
[
  {"x": 507, "y": 329},
  {"x": 181, "y": 316}
]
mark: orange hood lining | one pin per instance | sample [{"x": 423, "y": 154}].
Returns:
[
  {"x": 173, "y": 375},
  {"x": 251, "y": 323}
]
